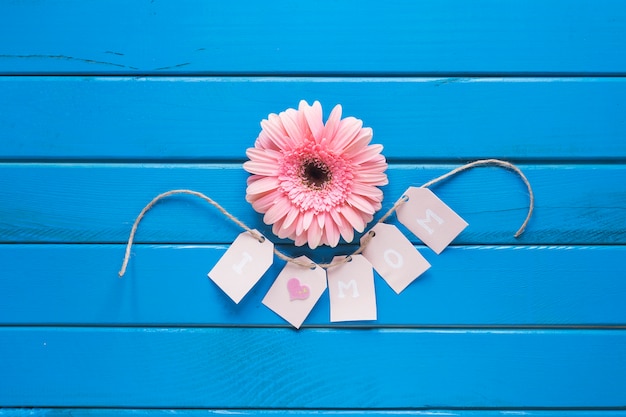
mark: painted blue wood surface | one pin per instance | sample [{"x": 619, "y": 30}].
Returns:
[
  {"x": 477, "y": 286},
  {"x": 216, "y": 119},
  {"x": 99, "y": 412},
  {"x": 99, "y": 202},
  {"x": 105, "y": 104},
  {"x": 314, "y": 368},
  {"x": 348, "y": 37}
]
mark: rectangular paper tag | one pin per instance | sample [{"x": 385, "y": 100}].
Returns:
[
  {"x": 243, "y": 264},
  {"x": 394, "y": 257},
  {"x": 296, "y": 291},
  {"x": 430, "y": 219},
  {"x": 351, "y": 289}
]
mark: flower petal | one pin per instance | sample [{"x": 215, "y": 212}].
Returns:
[
  {"x": 313, "y": 115},
  {"x": 332, "y": 124},
  {"x": 295, "y": 132},
  {"x": 314, "y": 235},
  {"x": 347, "y": 232},
  {"x": 253, "y": 178},
  {"x": 373, "y": 179},
  {"x": 262, "y": 185},
  {"x": 321, "y": 219},
  {"x": 300, "y": 240},
  {"x": 286, "y": 230},
  {"x": 262, "y": 202},
  {"x": 275, "y": 131},
  {"x": 331, "y": 232},
  {"x": 300, "y": 225},
  {"x": 348, "y": 129},
  {"x": 337, "y": 218},
  {"x": 261, "y": 168},
  {"x": 293, "y": 214},
  {"x": 277, "y": 211},
  {"x": 361, "y": 203},
  {"x": 263, "y": 155},
  {"x": 369, "y": 191},
  {"x": 307, "y": 219},
  {"x": 361, "y": 140},
  {"x": 366, "y": 154},
  {"x": 353, "y": 217}
]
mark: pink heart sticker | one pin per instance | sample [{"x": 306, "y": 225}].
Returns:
[
  {"x": 296, "y": 290},
  {"x": 278, "y": 297}
]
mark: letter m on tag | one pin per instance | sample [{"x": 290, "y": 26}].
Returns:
[
  {"x": 430, "y": 215},
  {"x": 351, "y": 285},
  {"x": 430, "y": 219}
]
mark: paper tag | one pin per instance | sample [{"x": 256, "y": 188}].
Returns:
[
  {"x": 296, "y": 291},
  {"x": 394, "y": 257},
  {"x": 243, "y": 264},
  {"x": 351, "y": 289},
  {"x": 430, "y": 219}
]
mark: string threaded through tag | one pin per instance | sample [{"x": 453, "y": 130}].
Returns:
[{"x": 368, "y": 236}]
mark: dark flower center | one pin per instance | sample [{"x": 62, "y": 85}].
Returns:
[{"x": 315, "y": 174}]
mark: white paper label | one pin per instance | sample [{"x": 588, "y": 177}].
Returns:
[{"x": 243, "y": 264}]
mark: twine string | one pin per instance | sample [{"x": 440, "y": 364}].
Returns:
[
  {"x": 366, "y": 238},
  {"x": 166, "y": 194},
  {"x": 500, "y": 163}
]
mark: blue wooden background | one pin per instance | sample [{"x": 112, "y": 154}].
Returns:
[{"x": 104, "y": 104}]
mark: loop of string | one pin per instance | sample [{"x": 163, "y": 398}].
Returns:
[{"x": 367, "y": 237}]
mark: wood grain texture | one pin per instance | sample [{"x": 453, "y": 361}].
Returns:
[
  {"x": 216, "y": 119},
  {"x": 353, "y": 37},
  {"x": 99, "y": 412},
  {"x": 58, "y": 203},
  {"x": 168, "y": 285},
  {"x": 283, "y": 368}
]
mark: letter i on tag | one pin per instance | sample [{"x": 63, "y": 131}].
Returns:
[
  {"x": 243, "y": 264},
  {"x": 351, "y": 289},
  {"x": 430, "y": 219},
  {"x": 394, "y": 257},
  {"x": 296, "y": 291}
]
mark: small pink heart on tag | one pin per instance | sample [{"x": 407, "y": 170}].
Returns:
[
  {"x": 278, "y": 297},
  {"x": 296, "y": 290}
]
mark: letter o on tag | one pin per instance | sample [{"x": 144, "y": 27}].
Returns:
[{"x": 393, "y": 258}]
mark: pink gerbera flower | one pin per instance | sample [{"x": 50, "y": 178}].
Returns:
[{"x": 313, "y": 181}]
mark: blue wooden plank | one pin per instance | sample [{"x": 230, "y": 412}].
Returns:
[
  {"x": 98, "y": 412},
  {"x": 167, "y": 284},
  {"x": 484, "y": 36},
  {"x": 281, "y": 368},
  {"x": 575, "y": 204},
  {"x": 214, "y": 119}
]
